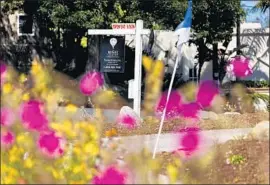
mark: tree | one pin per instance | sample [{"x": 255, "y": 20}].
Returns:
[
  {"x": 213, "y": 21},
  {"x": 62, "y": 25},
  {"x": 263, "y": 5}
]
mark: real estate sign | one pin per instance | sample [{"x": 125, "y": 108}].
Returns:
[
  {"x": 122, "y": 26},
  {"x": 112, "y": 54}
]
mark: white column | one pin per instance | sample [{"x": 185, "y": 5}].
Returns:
[{"x": 138, "y": 67}]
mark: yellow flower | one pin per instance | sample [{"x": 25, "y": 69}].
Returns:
[
  {"x": 78, "y": 169},
  {"x": 147, "y": 63},
  {"x": 9, "y": 180},
  {"x": 154, "y": 165},
  {"x": 25, "y": 97},
  {"x": 177, "y": 162},
  {"x": 57, "y": 174},
  {"x": 15, "y": 153},
  {"x": 84, "y": 42},
  {"x": 77, "y": 182},
  {"x": 77, "y": 150},
  {"x": 65, "y": 129},
  {"x": 7, "y": 88},
  {"x": 4, "y": 167},
  {"x": 24, "y": 140},
  {"x": 22, "y": 78},
  {"x": 172, "y": 173},
  {"x": 104, "y": 97},
  {"x": 91, "y": 148},
  {"x": 158, "y": 69},
  {"x": 207, "y": 159},
  {"x": 87, "y": 129},
  {"x": 36, "y": 68},
  {"x": 13, "y": 172},
  {"x": 71, "y": 108},
  {"x": 28, "y": 163},
  {"x": 13, "y": 158}
]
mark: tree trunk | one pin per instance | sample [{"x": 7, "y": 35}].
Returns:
[
  {"x": 93, "y": 51},
  {"x": 201, "y": 58},
  {"x": 199, "y": 72}
]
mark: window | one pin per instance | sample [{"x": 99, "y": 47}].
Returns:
[
  {"x": 193, "y": 74},
  {"x": 25, "y": 25}
]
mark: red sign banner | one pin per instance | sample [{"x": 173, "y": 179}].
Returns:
[{"x": 123, "y": 26}]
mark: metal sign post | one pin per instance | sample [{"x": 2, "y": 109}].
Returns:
[{"x": 138, "y": 32}]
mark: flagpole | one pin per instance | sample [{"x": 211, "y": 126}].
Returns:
[{"x": 167, "y": 100}]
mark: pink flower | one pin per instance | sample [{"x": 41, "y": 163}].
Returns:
[
  {"x": 240, "y": 67},
  {"x": 175, "y": 101},
  {"x": 7, "y": 138},
  {"x": 127, "y": 120},
  {"x": 3, "y": 68},
  {"x": 50, "y": 144},
  {"x": 110, "y": 176},
  {"x": 206, "y": 93},
  {"x": 33, "y": 117},
  {"x": 189, "y": 110},
  {"x": 7, "y": 117},
  {"x": 189, "y": 140},
  {"x": 3, "y": 71},
  {"x": 91, "y": 82},
  {"x": 128, "y": 117}
]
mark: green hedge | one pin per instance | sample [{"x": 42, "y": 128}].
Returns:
[{"x": 255, "y": 84}]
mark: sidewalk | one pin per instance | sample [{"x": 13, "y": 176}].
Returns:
[{"x": 169, "y": 142}]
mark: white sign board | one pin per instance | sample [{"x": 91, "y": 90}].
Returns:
[
  {"x": 138, "y": 31},
  {"x": 123, "y": 26},
  {"x": 130, "y": 89}
]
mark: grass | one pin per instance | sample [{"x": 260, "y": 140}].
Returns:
[
  {"x": 254, "y": 168},
  {"x": 151, "y": 125}
]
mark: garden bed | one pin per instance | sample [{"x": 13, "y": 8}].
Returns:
[
  {"x": 254, "y": 168},
  {"x": 151, "y": 126}
]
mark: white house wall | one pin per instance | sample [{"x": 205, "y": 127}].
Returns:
[{"x": 258, "y": 47}]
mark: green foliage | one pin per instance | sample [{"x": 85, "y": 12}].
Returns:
[
  {"x": 263, "y": 5},
  {"x": 214, "y": 20},
  {"x": 61, "y": 22},
  {"x": 10, "y": 6},
  {"x": 256, "y": 96},
  {"x": 236, "y": 159},
  {"x": 255, "y": 84}
]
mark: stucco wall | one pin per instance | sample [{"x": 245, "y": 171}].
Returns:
[{"x": 258, "y": 47}]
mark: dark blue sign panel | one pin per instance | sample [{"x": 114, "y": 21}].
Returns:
[{"x": 112, "y": 54}]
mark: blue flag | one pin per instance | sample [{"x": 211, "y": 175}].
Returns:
[{"x": 183, "y": 29}]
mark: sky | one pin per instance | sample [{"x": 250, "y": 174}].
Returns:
[{"x": 257, "y": 16}]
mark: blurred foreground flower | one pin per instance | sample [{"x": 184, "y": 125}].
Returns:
[
  {"x": 128, "y": 118},
  {"x": 51, "y": 144},
  {"x": 239, "y": 67},
  {"x": 7, "y": 117},
  {"x": 33, "y": 117},
  {"x": 189, "y": 140},
  {"x": 174, "y": 103},
  {"x": 111, "y": 176},
  {"x": 173, "y": 173},
  {"x": 206, "y": 93},
  {"x": 3, "y": 71},
  {"x": 7, "y": 138},
  {"x": 189, "y": 110},
  {"x": 91, "y": 82},
  {"x": 110, "y": 133}
]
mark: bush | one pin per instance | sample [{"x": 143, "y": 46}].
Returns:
[{"x": 255, "y": 84}]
